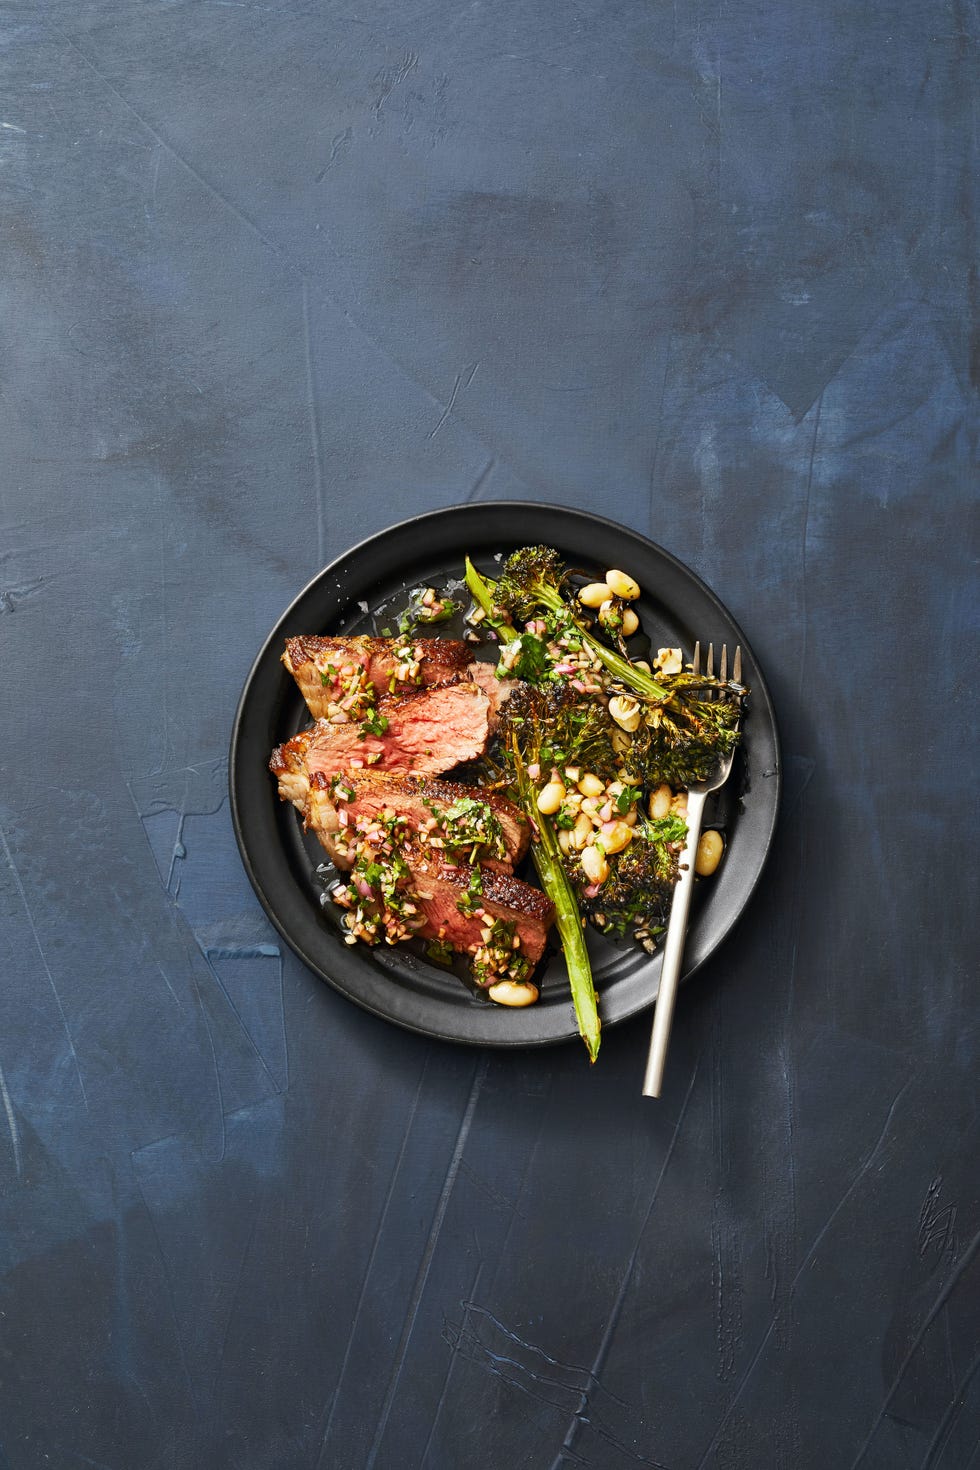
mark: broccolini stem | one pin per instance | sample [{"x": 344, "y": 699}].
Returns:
[
  {"x": 554, "y": 881},
  {"x": 481, "y": 590},
  {"x": 621, "y": 668}
]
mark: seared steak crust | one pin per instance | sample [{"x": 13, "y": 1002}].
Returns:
[{"x": 327, "y": 670}]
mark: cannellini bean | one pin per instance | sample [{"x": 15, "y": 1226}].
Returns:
[
  {"x": 622, "y": 585},
  {"x": 708, "y": 856},
  {"x": 590, "y": 785},
  {"x": 581, "y": 832},
  {"x": 678, "y": 803},
  {"x": 565, "y": 840},
  {"x": 660, "y": 800},
  {"x": 616, "y": 836},
  {"x": 625, "y": 711},
  {"x": 630, "y": 622},
  {"x": 513, "y": 993},
  {"x": 641, "y": 663},
  {"x": 594, "y": 595},
  {"x": 550, "y": 798},
  {"x": 669, "y": 661},
  {"x": 594, "y": 865}
]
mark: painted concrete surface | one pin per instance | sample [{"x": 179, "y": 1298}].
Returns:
[{"x": 277, "y": 276}]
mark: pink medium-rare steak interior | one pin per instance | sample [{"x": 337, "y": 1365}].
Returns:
[
  {"x": 503, "y": 897},
  {"x": 423, "y": 733}
]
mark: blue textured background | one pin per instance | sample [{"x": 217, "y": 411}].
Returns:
[{"x": 272, "y": 277}]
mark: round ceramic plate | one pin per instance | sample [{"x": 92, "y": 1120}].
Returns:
[{"x": 364, "y": 591}]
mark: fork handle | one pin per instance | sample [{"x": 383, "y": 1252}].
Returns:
[{"x": 670, "y": 971}]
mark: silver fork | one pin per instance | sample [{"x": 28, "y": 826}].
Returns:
[{"x": 680, "y": 908}]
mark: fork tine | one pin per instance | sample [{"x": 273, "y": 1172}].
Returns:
[
  {"x": 710, "y": 669},
  {"x": 696, "y": 660},
  {"x": 723, "y": 666},
  {"x": 737, "y": 666}
]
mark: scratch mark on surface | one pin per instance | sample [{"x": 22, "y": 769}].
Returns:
[
  {"x": 777, "y": 1316},
  {"x": 465, "y": 1341},
  {"x": 449, "y": 406},
  {"x": 947, "y": 1423},
  {"x": 12, "y": 597},
  {"x": 617, "y": 1307},
  {"x": 936, "y": 1226},
  {"x": 179, "y": 853},
  {"x": 8, "y": 1108},
  {"x": 425, "y": 1264},
  {"x": 515, "y": 1212},
  {"x": 389, "y": 79},
  {"x": 362, "y": 1294},
  {"x": 339, "y": 145},
  {"x": 316, "y": 441},
  {"x": 208, "y": 956},
  {"x": 933, "y": 1313},
  {"x": 444, "y": 1393},
  {"x": 452, "y": 397},
  {"x": 47, "y": 969},
  {"x": 480, "y": 479}
]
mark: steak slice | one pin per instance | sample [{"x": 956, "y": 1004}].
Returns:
[
  {"x": 496, "y": 690},
  {"x": 353, "y": 673},
  {"x": 463, "y": 824},
  {"x": 495, "y": 918},
  {"x": 426, "y": 732},
  {"x": 505, "y": 900}
]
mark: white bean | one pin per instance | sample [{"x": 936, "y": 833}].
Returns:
[
  {"x": 630, "y": 622},
  {"x": 660, "y": 799},
  {"x": 619, "y": 836},
  {"x": 551, "y": 798},
  {"x": 594, "y": 865},
  {"x": 582, "y": 831},
  {"x": 708, "y": 856},
  {"x": 590, "y": 785},
  {"x": 513, "y": 993},
  {"x": 594, "y": 595},
  {"x": 625, "y": 711},
  {"x": 622, "y": 585}
]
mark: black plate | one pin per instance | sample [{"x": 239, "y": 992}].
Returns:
[{"x": 364, "y": 591}]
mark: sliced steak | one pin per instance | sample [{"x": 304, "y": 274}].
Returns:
[
  {"x": 500, "y": 922},
  {"x": 504, "y": 898},
  {"x": 334, "y": 674},
  {"x": 425, "y": 733},
  {"x": 496, "y": 690},
  {"x": 465, "y": 824}
]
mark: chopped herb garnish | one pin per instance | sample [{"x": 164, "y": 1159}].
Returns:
[
  {"x": 373, "y": 723},
  {"x": 627, "y": 798}
]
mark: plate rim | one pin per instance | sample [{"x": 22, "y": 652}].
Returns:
[{"x": 505, "y": 1041}]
